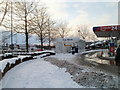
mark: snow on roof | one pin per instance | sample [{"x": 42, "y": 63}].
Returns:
[
  {"x": 68, "y": 40},
  {"x": 93, "y": 44},
  {"x": 98, "y": 43}
]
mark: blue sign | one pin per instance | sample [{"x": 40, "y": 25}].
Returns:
[{"x": 112, "y": 45}]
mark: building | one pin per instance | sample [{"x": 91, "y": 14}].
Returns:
[
  {"x": 107, "y": 31},
  {"x": 110, "y": 32},
  {"x": 64, "y": 45}
]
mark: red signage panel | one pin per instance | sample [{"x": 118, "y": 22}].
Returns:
[{"x": 107, "y": 28}]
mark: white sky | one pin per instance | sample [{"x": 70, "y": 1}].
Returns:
[
  {"x": 98, "y": 13},
  {"x": 90, "y": 12}
]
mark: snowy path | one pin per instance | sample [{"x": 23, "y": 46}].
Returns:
[{"x": 38, "y": 74}]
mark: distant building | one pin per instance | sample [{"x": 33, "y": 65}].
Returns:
[{"x": 64, "y": 45}]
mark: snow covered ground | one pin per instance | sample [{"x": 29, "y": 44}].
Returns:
[
  {"x": 66, "y": 56},
  {"x": 58, "y": 71},
  {"x": 38, "y": 73},
  {"x": 93, "y": 51},
  {"x": 86, "y": 73}
]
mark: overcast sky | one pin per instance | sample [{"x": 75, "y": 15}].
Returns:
[
  {"x": 95, "y": 13},
  {"x": 80, "y": 12}
]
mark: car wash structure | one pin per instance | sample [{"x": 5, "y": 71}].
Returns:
[
  {"x": 110, "y": 32},
  {"x": 65, "y": 45}
]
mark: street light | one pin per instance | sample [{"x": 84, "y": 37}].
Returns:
[{"x": 11, "y": 26}]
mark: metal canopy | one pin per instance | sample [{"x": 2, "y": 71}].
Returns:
[{"x": 107, "y": 31}]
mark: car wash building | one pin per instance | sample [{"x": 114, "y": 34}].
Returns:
[
  {"x": 110, "y": 32},
  {"x": 64, "y": 45}
]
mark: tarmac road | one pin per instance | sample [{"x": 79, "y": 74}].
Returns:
[{"x": 112, "y": 69}]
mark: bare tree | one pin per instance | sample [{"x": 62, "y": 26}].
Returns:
[
  {"x": 22, "y": 18},
  {"x": 62, "y": 29},
  {"x": 51, "y": 30},
  {"x": 85, "y": 33},
  {"x": 41, "y": 24},
  {"x": 4, "y": 7}
]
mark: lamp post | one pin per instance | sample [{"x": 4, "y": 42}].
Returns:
[{"x": 11, "y": 26}]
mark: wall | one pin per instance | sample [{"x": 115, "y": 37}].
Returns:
[{"x": 65, "y": 45}]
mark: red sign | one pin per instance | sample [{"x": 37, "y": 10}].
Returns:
[
  {"x": 107, "y": 28},
  {"x": 112, "y": 49}
]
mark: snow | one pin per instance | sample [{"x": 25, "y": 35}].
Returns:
[
  {"x": 22, "y": 57},
  {"x": 85, "y": 73},
  {"x": 4, "y": 62},
  {"x": 6, "y": 54},
  {"x": 64, "y": 56},
  {"x": 38, "y": 74},
  {"x": 92, "y": 51},
  {"x": 37, "y": 52},
  {"x": 112, "y": 57},
  {"x": 51, "y": 51},
  {"x": 98, "y": 43},
  {"x": 70, "y": 58},
  {"x": 43, "y": 55},
  {"x": 92, "y": 44},
  {"x": 1, "y": 55}
]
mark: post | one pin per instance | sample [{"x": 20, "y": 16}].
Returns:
[
  {"x": 11, "y": 26},
  {"x": 12, "y": 47},
  {"x": 49, "y": 33},
  {"x": 26, "y": 31}
]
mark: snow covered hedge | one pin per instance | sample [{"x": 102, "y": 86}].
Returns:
[
  {"x": 6, "y": 55},
  {"x": 38, "y": 53},
  {"x": 7, "y": 64}
]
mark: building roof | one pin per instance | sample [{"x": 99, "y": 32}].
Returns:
[
  {"x": 107, "y": 31},
  {"x": 68, "y": 40}
]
